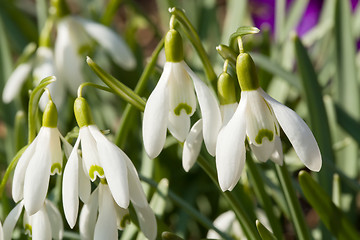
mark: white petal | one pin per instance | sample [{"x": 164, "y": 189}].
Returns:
[
  {"x": 66, "y": 146},
  {"x": 44, "y": 64},
  {"x": 112, "y": 42},
  {"x": 137, "y": 194},
  {"x": 192, "y": 146},
  {"x": 88, "y": 216},
  {"x": 299, "y": 134},
  {"x": 227, "y": 111},
  {"x": 115, "y": 170},
  {"x": 181, "y": 89},
  {"x": 264, "y": 151},
  {"x": 37, "y": 174},
  {"x": 230, "y": 149},
  {"x": 210, "y": 112},
  {"x": 70, "y": 187},
  {"x": 105, "y": 227},
  {"x": 90, "y": 154},
  {"x": 57, "y": 225},
  {"x": 277, "y": 156},
  {"x": 1, "y": 232},
  {"x": 20, "y": 170},
  {"x": 260, "y": 123},
  {"x": 223, "y": 222},
  {"x": 67, "y": 60},
  {"x": 55, "y": 150},
  {"x": 15, "y": 81},
  {"x": 156, "y": 117},
  {"x": 11, "y": 220},
  {"x": 122, "y": 216},
  {"x": 179, "y": 126},
  {"x": 147, "y": 221},
  {"x": 41, "y": 228}
]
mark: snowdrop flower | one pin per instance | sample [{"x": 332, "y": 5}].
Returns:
[
  {"x": 259, "y": 117},
  {"x": 101, "y": 158},
  {"x": 173, "y": 102},
  {"x": 228, "y": 104},
  {"x": 111, "y": 217},
  {"x": 42, "y": 158},
  {"x": 44, "y": 224},
  {"x": 74, "y": 36}
]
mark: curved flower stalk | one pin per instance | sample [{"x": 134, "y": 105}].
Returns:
[
  {"x": 44, "y": 224},
  {"x": 259, "y": 117},
  {"x": 41, "y": 159},
  {"x": 173, "y": 102},
  {"x": 101, "y": 158},
  {"x": 228, "y": 105},
  {"x": 111, "y": 217},
  {"x": 74, "y": 36}
]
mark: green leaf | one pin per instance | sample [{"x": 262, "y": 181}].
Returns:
[
  {"x": 295, "y": 14},
  {"x": 264, "y": 232},
  {"x": 318, "y": 117},
  {"x": 333, "y": 218},
  {"x": 235, "y": 13}
]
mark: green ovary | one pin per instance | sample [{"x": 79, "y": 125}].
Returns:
[
  {"x": 28, "y": 229},
  {"x": 95, "y": 168},
  {"x": 56, "y": 166},
  {"x": 181, "y": 106},
  {"x": 262, "y": 134}
]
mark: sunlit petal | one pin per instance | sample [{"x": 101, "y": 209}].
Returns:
[
  {"x": 227, "y": 111},
  {"x": 192, "y": 146},
  {"x": 263, "y": 152},
  {"x": 230, "y": 149},
  {"x": 15, "y": 81},
  {"x": 70, "y": 187},
  {"x": 55, "y": 150},
  {"x": 156, "y": 117},
  {"x": 210, "y": 112},
  {"x": 41, "y": 228},
  {"x": 277, "y": 156},
  {"x": 105, "y": 227},
  {"x": 113, "y": 162},
  {"x": 298, "y": 133},
  {"x": 11, "y": 220},
  {"x": 179, "y": 126},
  {"x": 90, "y": 154},
  {"x": 38, "y": 173}
]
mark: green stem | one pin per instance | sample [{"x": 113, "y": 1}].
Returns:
[
  {"x": 262, "y": 196},
  {"x": 79, "y": 92},
  {"x": 187, "y": 207},
  {"x": 293, "y": 203},
  {"x": 196, "y": 42},
  {"x": 247, "y": 226},
  {"x": 10, "y": 168},
  {"x": 140, "y": 87},
  {"x": 118, "y": 87},
  {"x": 110, "y": 11}
]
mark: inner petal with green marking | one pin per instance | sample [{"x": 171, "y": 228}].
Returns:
[
  {"x": 182, "y": 106},
  {"x": 96, "y": 170},
  {"x": 264, "y": 133},
  {"x": 56, "y": 168},
  {"x": 28, "y": 229}
]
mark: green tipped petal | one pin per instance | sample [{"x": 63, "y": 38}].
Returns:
[
  {"x": 50, "y": 115},
  {"x": 95, "y": 168},
  {"x": 246, "y": 72},
  {"x": 173, "y": 46},
  {"x": 82, "y": 112},
  {"x": 226, "y": 89}
]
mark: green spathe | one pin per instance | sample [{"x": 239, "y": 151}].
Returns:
[
  {"x": 246, "y": 72},
  {"x": 174, "y": 51},
  {"x": 50, "y": 115},
  {"x": 82, "y": 112},
  {"x": 226, "y": 89}
]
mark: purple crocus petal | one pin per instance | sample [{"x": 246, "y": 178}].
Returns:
[{"x": 263, "y": 13}]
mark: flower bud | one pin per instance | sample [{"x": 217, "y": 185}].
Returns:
[
  {"x": 246, "y": 72},
  {"x": 226, "y": 89},
  {"x": 50, "y": 115},
  {"x": 174, "y": 51},
  {"x": 82, "y": 112}
]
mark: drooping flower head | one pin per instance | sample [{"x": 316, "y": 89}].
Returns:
[
  {"x": 100, "y": 159},
  {"x": 42, "y": 158},
  {"x": 259, "y": 118},
  {"x": 173, "y": 102},
  {"x": 44, "y": 224}
]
